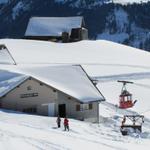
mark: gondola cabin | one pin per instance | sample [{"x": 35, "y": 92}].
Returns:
[{"x": 125, "y": 98}]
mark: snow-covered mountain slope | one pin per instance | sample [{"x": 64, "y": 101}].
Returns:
[
  {"x": 130, "y": 1},
  {"x": 108, "y": 62},
  {"x": 84, "y": 3},
  {"x": 24, "y": 51},
  {"x": 119, "y": 28},
  {"x": 30, "y": 132}
]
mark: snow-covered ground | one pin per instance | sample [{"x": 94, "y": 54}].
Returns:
[
  {"x": 108, "y": 63},
  {"x": 30, "y": 132}
]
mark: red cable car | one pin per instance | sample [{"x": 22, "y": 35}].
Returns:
[{"x": 125, "y": 98}]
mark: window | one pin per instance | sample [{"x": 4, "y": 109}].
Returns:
[
  {"x": 41, "y": 84},
  {"x": 82, "y": 107},
  {"x": 90, "y": 106},
  {"x": 54, "y": 90},
  {"x": 32, "y": 110},
  {"x": 29, "y": 88},
  {"x": 77, "y": 107}
]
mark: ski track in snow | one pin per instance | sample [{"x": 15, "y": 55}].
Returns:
[
  {"x": 106, "y": 134},
  {"x": 127, "y": 76}
]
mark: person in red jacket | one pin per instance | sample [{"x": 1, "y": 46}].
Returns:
[{"x": 66, "y": 123}]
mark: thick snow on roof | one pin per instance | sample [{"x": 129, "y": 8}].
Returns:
[
  {"x": 71, "y": 80},
  {"x": 9, "y": 80},
  {"x": 52, "y": 26},
  {"x": 83, "y": 52}
]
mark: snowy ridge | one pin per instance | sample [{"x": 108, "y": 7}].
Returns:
[
  {"x": 61, "y": 53},
  {"x": 93, "y": 3},
  {"x": 83, "y": 3},
  {"x": 130, "y": 1}
]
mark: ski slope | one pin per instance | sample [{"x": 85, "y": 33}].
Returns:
[{"x": 30, "y": 132}]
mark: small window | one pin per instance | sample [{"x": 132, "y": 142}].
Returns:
[
  {"x": 90, "y": 106},
  {"x": 41, "y": 84},
  {"x": 83, "y": 107},
  {"x": 54, "y": 90},
  {"x": 77, "y": 107},
  {"x": 29, "y": 88},
  {"x": 32, "y": 110}
]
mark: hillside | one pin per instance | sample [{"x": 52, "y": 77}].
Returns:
[{"x": 107, "y": 62}]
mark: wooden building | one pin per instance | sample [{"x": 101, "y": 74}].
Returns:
[{"x": 58, "y": 29}]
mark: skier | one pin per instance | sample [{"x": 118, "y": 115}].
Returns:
[
  {"x": 58, "y": 121},
  {"x": 66, "y": 123}
]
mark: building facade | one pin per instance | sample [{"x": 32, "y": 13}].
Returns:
[{"x": 35, "y": 97}]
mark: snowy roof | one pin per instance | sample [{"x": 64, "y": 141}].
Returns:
[
  {"x": 71, "y": 80},
  {"x": 5, "y": 56},
  {"x": 83, "y": 52},
  {"x": 52, "y": 26}
]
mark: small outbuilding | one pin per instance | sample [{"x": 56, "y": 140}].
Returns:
[{"x": 58, "y": 29}]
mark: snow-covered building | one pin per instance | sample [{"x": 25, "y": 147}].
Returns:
[
  {"x": 52, "y": 90},
  {"x": 65, "y": 29}
]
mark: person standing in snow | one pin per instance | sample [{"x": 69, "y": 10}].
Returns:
[
  {"x": 123, "y": 121},
  {"x": 66, "y": 123},
  {"x": 58, "y": 121}
]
